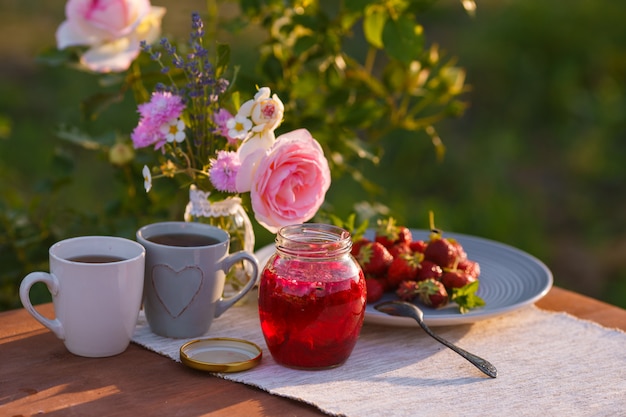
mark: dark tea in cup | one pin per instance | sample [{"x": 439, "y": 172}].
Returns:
[
  {"x": 95, "y": 259},
  {"x": 186, "y": 240}
]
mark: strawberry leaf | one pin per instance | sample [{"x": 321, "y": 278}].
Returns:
[
  {"x": 356, "y": 230},
  {"x": 466, "y": 298}
]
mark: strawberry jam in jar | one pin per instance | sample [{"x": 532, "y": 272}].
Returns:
[{"x": 312, "y": 297}]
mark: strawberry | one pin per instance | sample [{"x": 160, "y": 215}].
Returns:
[
  {"x": 388, "y": 233},
  {"x": 440, "y": 251},
  {"x": 403, "y": 267},
  {"x": 375, "y": 289},
  {"x": 386, "y": 284},
  {"x": 433, "y": 293},
  {"x": 427, "y": 270},
  {"x": 407, "y": 290},
  {"x": 470, "y": 267},
  {"x": 382, "y": 279},
  {"x": 399, "y": 248},
  {"x": 356, "y": 245},
  {"x": 456, "y": 278},
  {"x": 430, "y": 292},
  {"x": 374, "y": 258},
  {"x": 460, "y": 251},
  {"x": 404, "y": 235},
  {"x": 417, "y": 246}
]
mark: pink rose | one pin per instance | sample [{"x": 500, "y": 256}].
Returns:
[
  {"x": 290, "y": 182},
  {"x": 112, "y": 29}
]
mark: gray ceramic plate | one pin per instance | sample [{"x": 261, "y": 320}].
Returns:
[{"x": 509, "y": 279}]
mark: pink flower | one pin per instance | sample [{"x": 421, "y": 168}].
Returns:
[
  {"x": 223, "y": 171},
  {"x": 162, "y": 108},
  {"x": 221, "y": 118},
  {"x": 290, "y": 182},
  {"x": 113, "y": 29},
  {"x": 144, "y": 135},
  {"x": 158, "y": 112}
]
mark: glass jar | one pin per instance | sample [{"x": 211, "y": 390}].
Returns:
[{"x": 312, "y": 297}]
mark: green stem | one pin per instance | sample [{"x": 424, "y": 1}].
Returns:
[{"x": 370, "y": 59}]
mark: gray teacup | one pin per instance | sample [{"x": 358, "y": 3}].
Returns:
[{"x": 186, "y": 266}]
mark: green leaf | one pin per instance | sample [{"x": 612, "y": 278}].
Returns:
[
  {"x": 304, "y": 44},
  {"x": 223, "y": 59},
  {"x": 357, "y": 5},
  {"x": 84, "y": 140},
  {"x": 420, "y": 6},
  {"x": 373, "y": 25},
  {"x": 5, "y": 127},
  {"x": 350, "y": 224},
  {"x": 466, "y": 298},
  {"x": 93, "y": 106},
  {"x": 109, "y": 80},
  {"x": 403, "y": 39},
  {"x": 56, "y": 57},
  {"x": 62, "y": 163},
  {"x": 361, "y": 114},
  {"x": 395, "y": 76}
]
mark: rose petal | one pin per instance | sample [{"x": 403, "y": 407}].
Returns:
[
  {"x": 249, "y": 165},
  {"x": 71, "y": 35},
  {"x": 258, "y": 141},
  {"x": 149, "y": 29},
  {"x": 111, "y": 57}
]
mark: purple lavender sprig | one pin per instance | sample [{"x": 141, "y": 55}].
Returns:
[{"x": 201, "y": 91}]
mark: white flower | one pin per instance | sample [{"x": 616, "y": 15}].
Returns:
[
  {"x": 174, "y": 130},
  {"x": 265, "y": 112},
  {"x": 238, "y": 127},
  {"x": 147, "y": 178},
  {"x": 250, "y": 153}
]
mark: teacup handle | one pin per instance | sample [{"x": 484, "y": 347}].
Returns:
[
  {"x": 224, "y": 304},
  {"x": 53, "y": 286}
]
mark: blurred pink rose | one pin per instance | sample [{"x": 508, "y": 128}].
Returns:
[
  {"x": 112, "y": 29},
  {"x": 290, "y": 182}
]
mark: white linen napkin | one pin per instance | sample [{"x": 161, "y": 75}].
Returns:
[{"x": 548, "y": 364}]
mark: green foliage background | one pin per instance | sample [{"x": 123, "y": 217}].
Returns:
[{"x": 537, "y": 160}]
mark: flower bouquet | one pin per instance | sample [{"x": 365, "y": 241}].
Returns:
[
  {"x": 223, "y": 156},
  {"x": 199, "y": 131},
  {"x": 204, "y": 134}
]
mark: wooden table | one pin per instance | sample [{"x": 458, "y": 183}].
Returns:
[{"x": 38, "y": 375}]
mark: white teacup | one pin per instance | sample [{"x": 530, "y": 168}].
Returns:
[{"x": 96, "y": 284}]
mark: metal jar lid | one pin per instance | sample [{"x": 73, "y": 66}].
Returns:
[{"x": 220, "y": 354}]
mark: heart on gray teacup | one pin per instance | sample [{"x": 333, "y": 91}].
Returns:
[{"x": 176, "y": 290}]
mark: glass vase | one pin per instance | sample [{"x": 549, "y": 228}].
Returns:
[{"x": 230, "y": 216}]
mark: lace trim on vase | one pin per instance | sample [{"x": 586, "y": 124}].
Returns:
[{"x": 200, "y": 206}]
